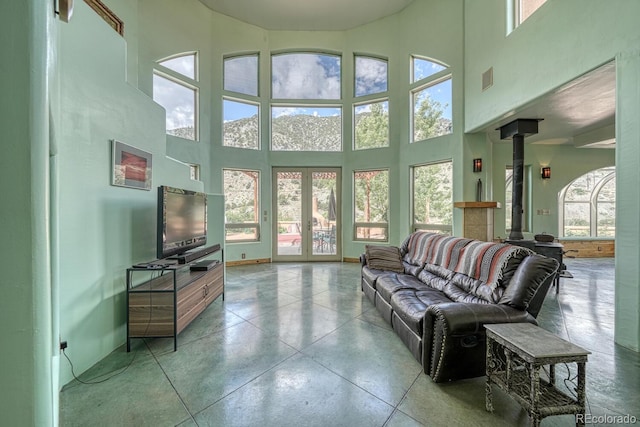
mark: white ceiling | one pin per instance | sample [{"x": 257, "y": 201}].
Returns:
[
  {"x": 580, "y": 113},
  {"x": 311, "y": 15}
]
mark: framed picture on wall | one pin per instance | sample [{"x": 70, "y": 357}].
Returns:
[{"x": 131, "y": 166}]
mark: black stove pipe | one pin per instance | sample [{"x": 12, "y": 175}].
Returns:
[{"x": 517, "y": 188}]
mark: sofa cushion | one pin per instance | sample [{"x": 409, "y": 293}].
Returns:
[
  {"x": 411, "y": 305},
  {"x": 463, "y": 288},
  {"x": 435, "y": 276},
  {"x": 389, "y": 284},
  {"x": 526, "y": 280},
  {"x": 370, "y": 275},
  {"x": 384, "y": 258}
]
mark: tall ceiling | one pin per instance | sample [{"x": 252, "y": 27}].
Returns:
[{"x": 311, "y": 15}]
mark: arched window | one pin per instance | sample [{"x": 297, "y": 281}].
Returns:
[
  {"x": 241, "y": 102},
  {"x": 371, "y": 109},
  {"x": 431, "y": 113},
  {"x": 306, "y": 109},
  {"x": 588, "y": 205},
  {"x": 175, "y": 87}
]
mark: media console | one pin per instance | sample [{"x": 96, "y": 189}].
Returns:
[{"x": 171, "y": 298}]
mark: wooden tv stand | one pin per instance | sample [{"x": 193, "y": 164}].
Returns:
[{"x": 165, "y": 304}]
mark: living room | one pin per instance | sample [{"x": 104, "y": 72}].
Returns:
[{"x": 96, "y": 86}]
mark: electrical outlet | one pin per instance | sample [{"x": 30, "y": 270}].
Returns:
[
  {"x": 244, "y": 255},
  {"x": 63, "y": 345}
]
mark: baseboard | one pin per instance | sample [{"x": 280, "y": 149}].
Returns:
[
  {"x": 248, "y": 261},
  {"x": 268, "y": 260}
]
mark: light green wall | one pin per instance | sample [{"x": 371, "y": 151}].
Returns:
[
  {"x": 103, "y": 229},
  {"x": 25, "y": 307},
  {"x": 560, "y": 42},
  {"x": 567, "y": 164}
]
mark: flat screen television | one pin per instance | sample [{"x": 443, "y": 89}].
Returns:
[{"x": 182, "y": 220}]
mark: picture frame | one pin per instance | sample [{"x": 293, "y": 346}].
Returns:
[{"x": 131, "y": 167}]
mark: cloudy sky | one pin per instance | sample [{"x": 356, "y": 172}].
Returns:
[{"x": 297, "y": 76}]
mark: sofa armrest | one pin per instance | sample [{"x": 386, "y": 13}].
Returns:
[
  {"x": 363, "y": 260},
  {"x": 462, "y": 318},
  {"x": 454, "y": 337}
]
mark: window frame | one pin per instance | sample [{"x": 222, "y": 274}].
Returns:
[
  {"x": 184, "y": 81},
  {"x": 371, "y": 224},
  {"x": 592, "y": 201},
  {"x": 244, "y": 225},
  {"x": 340, "y": 107},
  {"x": 514, "y": 13},
  {"x": 526, "y": 199},
  {"x": 258, "y": 146},
  {"x": 370, "y": 102},
  {"x": 416, "y": 226},
  {"x": 242, "y": 95},
  {"x": 355, "y": 75},
  {"x": 418, "y": 86},
  {"x": 338, "y": 55}
]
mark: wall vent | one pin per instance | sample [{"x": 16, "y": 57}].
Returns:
[{"x": 487, "y": 79}]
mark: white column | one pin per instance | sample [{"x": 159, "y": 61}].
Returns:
[{"x": 627, "y": 291}]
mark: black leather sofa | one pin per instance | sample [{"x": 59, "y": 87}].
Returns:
[{"x": 438, "y": 292}]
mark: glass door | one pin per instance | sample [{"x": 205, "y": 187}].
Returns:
[{"x": 306, "y": 204}]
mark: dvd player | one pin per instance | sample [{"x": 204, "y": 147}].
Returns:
[{"x": 204, "y": 265}]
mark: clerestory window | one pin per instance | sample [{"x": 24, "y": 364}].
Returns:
[
  {"x": 431, "y": 95},
  {"x": 176, "y": 88},
  {"x": 371, "y": 109},
  {"x": 240, "y": 102}
]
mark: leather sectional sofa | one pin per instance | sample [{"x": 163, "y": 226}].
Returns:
[{"x": 438, "y": 292}]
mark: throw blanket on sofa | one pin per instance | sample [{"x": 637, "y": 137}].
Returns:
[
  {"x": 431, "y": 248},
  {"x": 484, "y": 261}
]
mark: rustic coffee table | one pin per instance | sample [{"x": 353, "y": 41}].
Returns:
[{"x": 517, "y": 352}]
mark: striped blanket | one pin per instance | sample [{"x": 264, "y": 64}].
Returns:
[{"x": 484, "y": 261}]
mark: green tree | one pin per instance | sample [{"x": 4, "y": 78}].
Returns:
[
  {"x": 433, "y": 194},
  {"x": 428, "y": 120},
  {"x": 372, "y": 127}
]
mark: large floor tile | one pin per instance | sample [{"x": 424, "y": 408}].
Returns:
[
  {"x": 300, "y": 344},
  {"x": 300, "y": 324},
  {"x": 371, "y": 357},
  {"x": 211, "y": 320},
  {"x": 298, "y": 392},
  {"x": 253, "y": 303},
  {"x": 141, "y": 395},
  {"x": 208, "y": 369}
]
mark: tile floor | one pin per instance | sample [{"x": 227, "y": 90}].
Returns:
[{"x": 300, "y": 345}]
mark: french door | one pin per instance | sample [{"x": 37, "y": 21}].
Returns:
[{"x": 306, "y": 203}]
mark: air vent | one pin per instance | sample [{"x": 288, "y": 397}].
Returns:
[{"x": 487, "y": 79}]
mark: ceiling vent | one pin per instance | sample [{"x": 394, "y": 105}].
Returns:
[{"x": 487, "y": 79}]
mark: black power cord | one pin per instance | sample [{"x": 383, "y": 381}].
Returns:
[{"x": 122, "y": 370}]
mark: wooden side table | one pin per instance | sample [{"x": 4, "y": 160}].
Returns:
[{"x": 516, "y": 353}]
